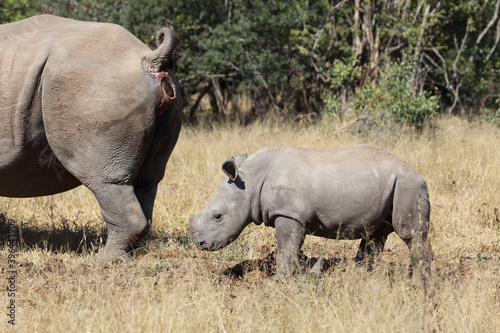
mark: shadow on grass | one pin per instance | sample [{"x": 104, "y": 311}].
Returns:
[
  {"x": 71, "y": 236},
  {"x": 67, "y": 236},
  {"x": 267, "y": 265}
]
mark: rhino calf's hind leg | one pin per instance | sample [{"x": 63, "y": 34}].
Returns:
[
  {"x": 369, "y": 249},
  {"x": 411, "y": 222},
  {"x": 124, "y": 218},
  {"x": 290, "y": 235},
  {"x": 421, "y": 253}
]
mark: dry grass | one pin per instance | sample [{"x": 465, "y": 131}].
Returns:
[{"x": 170, "y": 286}]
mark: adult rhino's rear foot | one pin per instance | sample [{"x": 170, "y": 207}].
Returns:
[
  {"x": 125, "y": 220},
  {"x": 108, "y": 255}
]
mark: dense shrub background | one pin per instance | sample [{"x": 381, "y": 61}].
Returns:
[{"x": 399, "y": 61}]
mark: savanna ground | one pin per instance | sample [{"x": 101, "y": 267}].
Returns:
[{"x": 170, "y": 286}]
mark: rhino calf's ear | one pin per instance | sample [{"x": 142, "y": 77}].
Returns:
[
  {"x": 231, "y": 165},
  {"x": 230, "y": 168}
]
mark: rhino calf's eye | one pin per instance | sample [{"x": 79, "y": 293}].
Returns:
[{"x": 217, "y": 217}]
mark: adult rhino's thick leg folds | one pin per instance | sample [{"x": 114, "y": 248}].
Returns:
[{"x": 125, "y": 219}]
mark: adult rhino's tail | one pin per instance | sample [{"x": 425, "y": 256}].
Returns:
[
  {"x": 160, "y": 58},
  {"x": 410, "y": 219}
]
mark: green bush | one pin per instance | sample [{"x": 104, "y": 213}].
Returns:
[
  {"x": 299, "y": 57},
  {"x": 395, "y": 99},
  {"x": 493, "y": 116},
  {"x": 14, "y": 10}
]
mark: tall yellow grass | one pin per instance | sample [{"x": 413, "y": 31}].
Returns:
[{"x": 171, "y": 287}]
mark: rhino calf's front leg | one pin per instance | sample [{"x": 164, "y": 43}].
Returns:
[{"x": 290, "y": 235}]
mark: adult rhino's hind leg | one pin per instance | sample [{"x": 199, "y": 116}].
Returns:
[
  {"x": 146, "y": 194},
  {"x": 125, "y": 220}
]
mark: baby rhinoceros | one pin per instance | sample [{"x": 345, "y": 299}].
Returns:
[{"x": 354, "y": 192}]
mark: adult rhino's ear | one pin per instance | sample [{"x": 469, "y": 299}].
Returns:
[{"x": 231, "y": 165}]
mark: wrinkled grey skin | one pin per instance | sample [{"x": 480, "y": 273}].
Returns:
[
  {"x": 87, "y": 103},
  {"x": 355, "y": 192}
]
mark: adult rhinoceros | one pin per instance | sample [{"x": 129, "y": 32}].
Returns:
[{"x": 88, "y": 103}]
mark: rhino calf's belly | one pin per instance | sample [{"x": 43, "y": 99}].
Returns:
[{"x": 345, "y": 229}]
